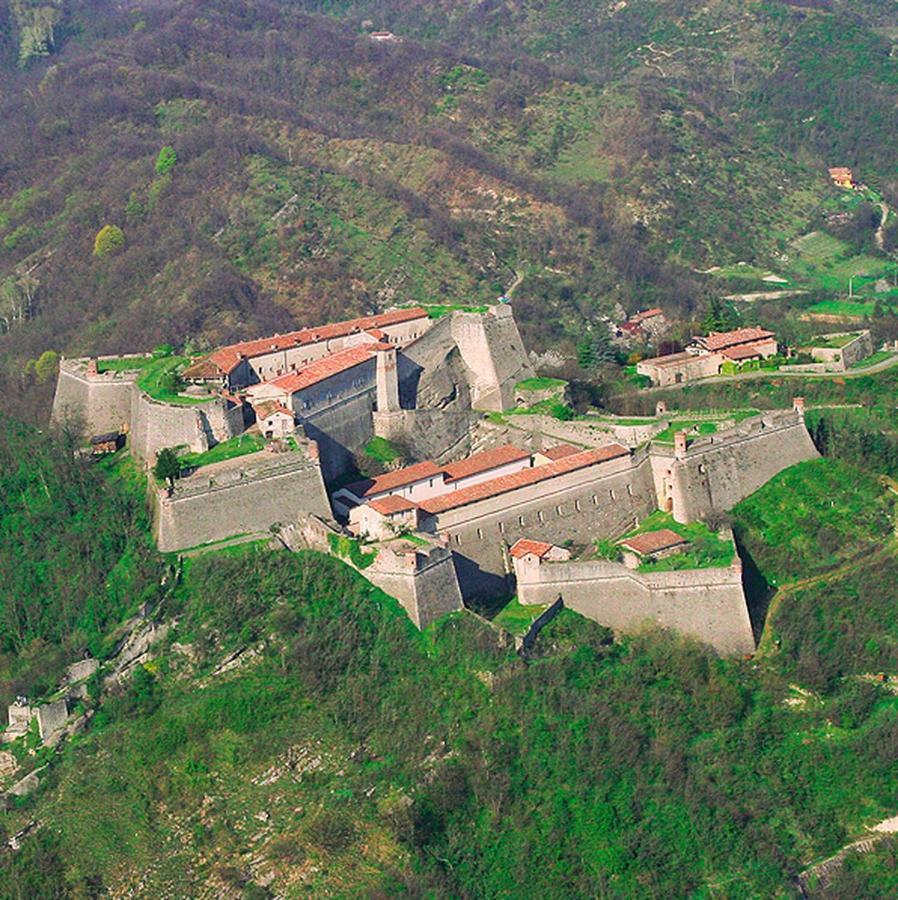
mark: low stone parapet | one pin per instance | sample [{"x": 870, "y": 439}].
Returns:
[{"x": 707, "y": 604}]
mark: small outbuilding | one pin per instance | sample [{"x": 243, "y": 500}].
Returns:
[
  {"x": 101, "y": 444},
  {"x": 652, "y": 545}
]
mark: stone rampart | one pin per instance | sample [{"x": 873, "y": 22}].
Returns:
[
  {"x": 197, "y": 426},
  {"x": 437, "y": 434},
  {"x": 589, "y": 433},
  {"x": 719, "y": 470},
  {"x": 243, "y": 496},
  {"x": 102, "y": 401},
  {"x": 582, "y": 506},
  {"x": 493, "y": 351},
  {"x": 708, "y": 604},
  {"x": 422, "y": 579}
]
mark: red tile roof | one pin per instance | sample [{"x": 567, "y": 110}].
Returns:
[
  {"x": 654, "y": 541},
  {"x": 380, "y": 484},
  {"x": 226, "y": 359},
  {"x": 269, "y": 407},
  {"x": 534, "y": 475},
  {"x": 391, "y": 504},
  {"x": 203, "y": 368},
  {"x": 720, "y": 340},
  {"x": 670, "y": 359},
  {"x": 745, "y": 351},
  {"x": 483, "y": 462},
  {"x": 560, "y": 451},
  {"x": 325, "y": 368},
  {"x": 647, "y": 314},
  {"x": 523, "y": 547},
  {"x": 840, "y": 172}
]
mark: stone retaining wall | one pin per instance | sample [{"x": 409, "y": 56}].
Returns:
[
  {"x": 249, "y": 496},
  {"x": 708, "y": 604}
]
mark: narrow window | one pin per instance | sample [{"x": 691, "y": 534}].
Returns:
[
  {"x": 611, "y": 493},
  {"x": 595, "y": 500},
  {"x": 630, "y": 489},
  {"x": 480, "y": 534},
  {"x": 558, "y": 510},
  {"x": 501, "y": 528},
  {"x": 540, "y": 516},
  {"x": 521, "y": 521},
  {"x": 577, "y": 505}
]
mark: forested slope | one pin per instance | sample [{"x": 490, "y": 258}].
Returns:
[
  {"x": 345, "y": 753},
  {"x": 601, "y": 152}
]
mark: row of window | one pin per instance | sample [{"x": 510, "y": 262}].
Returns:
[{"x": 541, "y": 516}]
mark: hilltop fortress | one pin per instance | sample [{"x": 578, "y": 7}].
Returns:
[{"x": 457, "y": 525}]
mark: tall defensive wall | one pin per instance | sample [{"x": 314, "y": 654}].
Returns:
[
  {"x": 246, "y": 495},
  {"x": 491, "y": 347},
  {"x": 111, "y": 401},
  {"x": 708, "y": 604},
  {"x": 715, "y": 472},
  {"x": 100, "y": 400}
]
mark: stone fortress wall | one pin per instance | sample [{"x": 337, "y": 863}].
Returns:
[
  {"x": 708, "y": 604},
  {"x": 246, "y": 495},
  {"x": 422, "y": 579},
  {"x": 491, "y": 347},
  {"x": 717, "y": 471},
  {"x": 582, "y": 506},
  {"x": 155, "y": 425},
  {"x": 102, "y": 401}
]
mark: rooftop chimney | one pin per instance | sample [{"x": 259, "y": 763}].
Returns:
[
  {"x": 798, "y": 405},
  {"x": 660, "y": 408},
  {"x": 92, "y": 368}
]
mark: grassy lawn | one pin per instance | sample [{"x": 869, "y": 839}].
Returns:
[
  {"x": 380, "y": 449},
  {"x": 438, "y": 311},
  {"x": 158, "y": 379},
  {"x": 706, "y": 550},
  {"x": 121, "y": 364},
  {"x": 236, "y": 446},
  {"x": 667, "y": 436},
  {"x": 540, "y": 384},
  {"x": 811, "y": 517},
  {"x": 825, "y": 262},
  {"x": 517, "y": 618},
  {"x": 834, "y": 342},
  {"x": 848, "y": 308},
  {"x": 878, "y": 357}
]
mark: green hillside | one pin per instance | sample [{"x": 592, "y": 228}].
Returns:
[
  {"x": 343, "y": 753},
  {"x": 258, "y": 182}
]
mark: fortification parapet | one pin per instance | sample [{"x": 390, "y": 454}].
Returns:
[
  {"x": 247, "y": 495},
  {"x": 708, "y": 604},
  {"x": 422, "y": 579},
  {"x": 491, "y": 347},
  {"x": 716, "y": 471},
  {"x": 198, "y": 426},
  {"x": 101, "y": 400}
]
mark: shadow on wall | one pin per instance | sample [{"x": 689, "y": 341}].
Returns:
[
  {"x": 479, "y": 584},
  {"x": 336, "y": 459},
  {"x": 758, "y": 593}
]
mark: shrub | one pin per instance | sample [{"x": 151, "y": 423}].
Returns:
[
  {"x": 331, "y": 830},
  {"x": 166, "y": 160},
  {"x": 110, "y": 239}
]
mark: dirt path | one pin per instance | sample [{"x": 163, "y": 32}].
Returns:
[
  {"x": 518, "y": 279},
  {"x": 881, "y": 231},
  {"x": 818, "y": 876},
  {"x": 766, "y": 643}
]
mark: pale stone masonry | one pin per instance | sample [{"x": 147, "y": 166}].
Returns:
[{"x": 707, "y": 604}]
